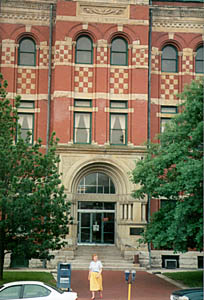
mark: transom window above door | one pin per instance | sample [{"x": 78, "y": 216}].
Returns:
[{"x": 96, "y": 183}]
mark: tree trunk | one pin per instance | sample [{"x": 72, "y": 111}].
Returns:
[{"x": 2, "y": 253}]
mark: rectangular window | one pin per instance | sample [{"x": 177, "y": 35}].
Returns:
[
  {"x": 27, "y": 104},
  {"x": 26, "y": 122},
  {"x": 163, "y": 123},
  {"x": 82, "y": 128},
  {"x": 82, "y": 103},
  {"x": 118, "y": 104},
  {"x": 165, "y": 202},
  {"x": 118, "y": 129},
  {"x": 136, "y": 231},
  {"x": 169, "y": 109}
]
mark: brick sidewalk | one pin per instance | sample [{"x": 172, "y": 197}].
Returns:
[{"x": 146, "y": 286}]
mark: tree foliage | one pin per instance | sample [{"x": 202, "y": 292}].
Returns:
[
  {"x": 173, "y": 170},
  {"x": 34, "y": 213}
]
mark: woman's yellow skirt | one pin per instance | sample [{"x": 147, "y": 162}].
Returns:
[{"x": 95, "y": 282}]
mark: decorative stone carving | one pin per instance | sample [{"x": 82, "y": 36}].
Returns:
[{"x": 103, "y": 10}]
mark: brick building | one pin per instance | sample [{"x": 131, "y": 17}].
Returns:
[{"x": 104, "y": 76}]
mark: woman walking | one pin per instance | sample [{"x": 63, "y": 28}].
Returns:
[{"x": 95, "y": 277}]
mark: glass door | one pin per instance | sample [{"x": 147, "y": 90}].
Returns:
[
  {"x": 108, "y": 228},
  {"x": 84, "y": 229},
  {"x": 96, "y": 227},
  {"x": 96, "y": 222}
]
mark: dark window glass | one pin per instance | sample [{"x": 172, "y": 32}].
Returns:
[
  {"x": 169, "y": 59},
  {"x": 35, "y": 291},
  {"x": 27, "y": 52},
  {"x": 136, "y": 231},
  {"x": 199, "y": 60},
  {"x": 96, "y": 183},
  {"x": 200, "y": 262},
  {"x": 12, "y": 292},
  {"x": 168, "y": 203},
  {"x": 119, "y": 52},
  {"x": 84, "y": 50}
]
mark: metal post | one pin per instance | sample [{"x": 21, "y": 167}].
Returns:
[
  {"x": 130, "y": 278},
  {"x": 49, "y": 78},
  {"x": 149, "y": 111},
  {"x": 129, "y": 290}
]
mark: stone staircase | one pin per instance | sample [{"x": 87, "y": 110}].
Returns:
[{"x": 110, "y": 257}]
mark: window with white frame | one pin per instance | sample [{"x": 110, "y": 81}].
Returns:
[
  {"x": 168, "y": 112},
  {"x": 26, "y": 120},
  {"x": 82, "y": 128},
  {"x": 118, "y": 129}
]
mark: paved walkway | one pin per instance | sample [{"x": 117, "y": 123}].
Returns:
[{"x": 146, "y": 286}]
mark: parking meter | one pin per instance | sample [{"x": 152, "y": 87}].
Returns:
[
  {"x": 64, "y": 276},
  {"x": 133, "y": 275},
  {"x": 127, "y": 274}
]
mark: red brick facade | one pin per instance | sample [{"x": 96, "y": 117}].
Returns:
[{"x": 173, "y": 24}]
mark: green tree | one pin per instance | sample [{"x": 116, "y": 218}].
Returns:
[
  {"x": 34, "y": 213},
  {"x": 173, "y": 170}
]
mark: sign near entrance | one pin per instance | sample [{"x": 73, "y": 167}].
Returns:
[{"x": 95, "y": 227}]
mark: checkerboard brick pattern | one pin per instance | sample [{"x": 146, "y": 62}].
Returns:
[
  {"x": 83, "y": 80},
  {"x": 140, "y": 57},
  {"x": 187, "y": 64},
  {"x": 8, "y": 55},
  {"x": 102, "y": 55},
  {"x": 63, "y": 54},
  {"x": 118, "y": 81},
  {"x": 44, "y": 57},
  {"x": 169, "y": 87},
  {"x": 155, "y": 62},
  {"x": 26, "y": 81}
]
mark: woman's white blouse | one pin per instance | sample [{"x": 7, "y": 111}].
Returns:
[{"x": 95, "y": 266}]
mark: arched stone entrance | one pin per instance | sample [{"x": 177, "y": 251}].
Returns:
[{"x": 96, "y": 188}]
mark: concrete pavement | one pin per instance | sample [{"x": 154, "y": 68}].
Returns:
[{"x": 147, "y": 286}]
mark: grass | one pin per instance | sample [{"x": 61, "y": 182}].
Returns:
[
  {"x": 191, "y": 279},
  {"x": 39, "y": 276}
]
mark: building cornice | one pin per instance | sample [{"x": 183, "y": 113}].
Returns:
[{"x": 35, "y": 12}]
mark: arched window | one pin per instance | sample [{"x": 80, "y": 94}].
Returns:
[
  {"x": 119, "y": 52},
  {"x": 27, "y": 52},
  {"x": 96, "y": 183},
  {"x": 84, "y": 50},
  {"x": 199, "y": 60},
  {"x": 169, "y": 61}
]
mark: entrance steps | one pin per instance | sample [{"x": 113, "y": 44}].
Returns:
[{"x": 109, "y": 255}]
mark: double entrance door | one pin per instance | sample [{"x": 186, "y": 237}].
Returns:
[{"x": 96, "y": 226}]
